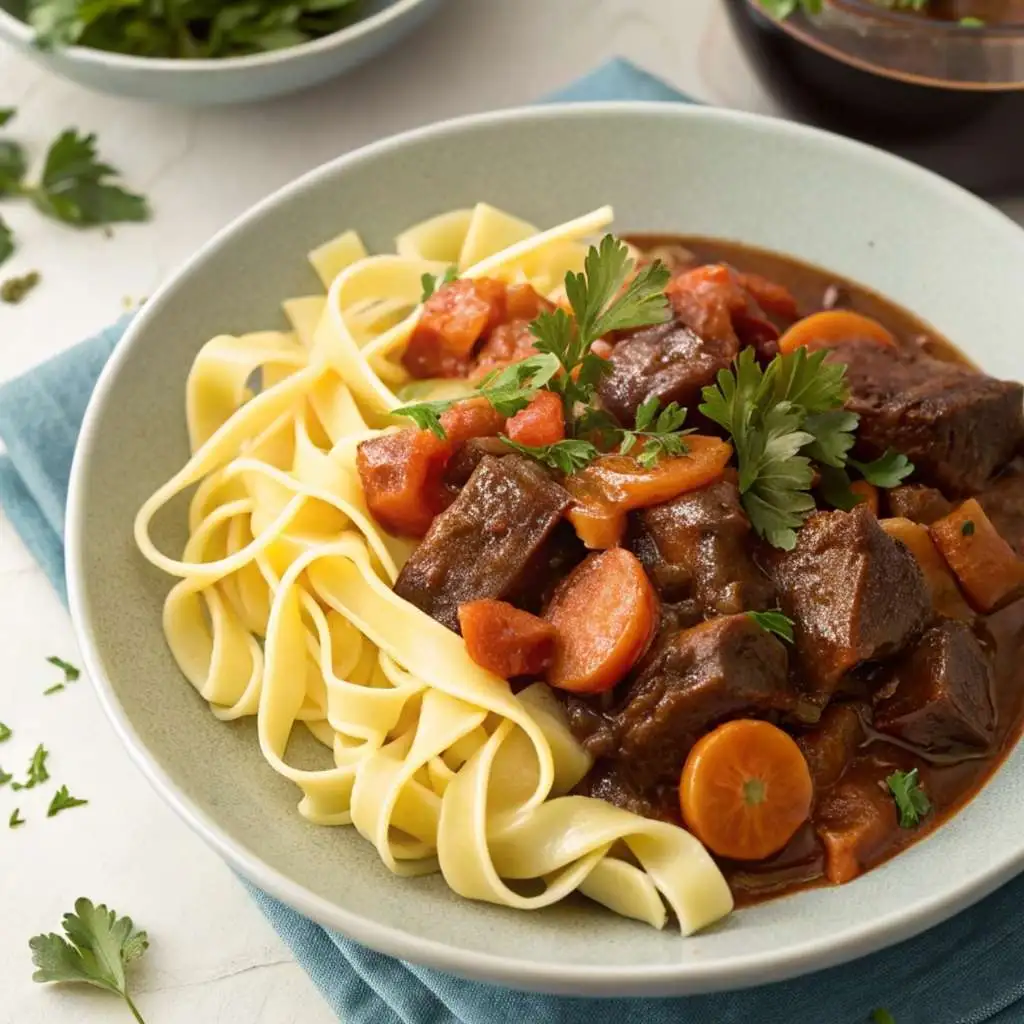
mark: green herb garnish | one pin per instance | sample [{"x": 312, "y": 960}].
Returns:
[
  {"x": 967, "y": 530},
  {"x": 37, "y": 773},
  {"x": 5, "y": 777},
  {"x": 971, "y": 23},
  {"x": 782, "y": 9},
  {"x": 6, "y": 113},
  {"x": 602, "y": 302},
  {"x": 431, "y": 283},
  {"x": 5, "y": 732},
  {"x": 62, "y": 801},
  {"x": 187, "y": 28},
  {"x": 774, "y": 622},
  {"x": 775, "y": 418},
  {"x": 887, "y": 471},
  {"x": 56, "y": 688},
  {"x": 14, "y": 289},
  {"x": 71, "y": 672},
  {"x": 911, "y": 800},
  {"x": 568, "y": 456},
  {"x": 96, "y": 947},
  {"x": 15, "y": 820}
]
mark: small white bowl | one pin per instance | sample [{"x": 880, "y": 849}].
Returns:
[{"x": 228, "y": 79}]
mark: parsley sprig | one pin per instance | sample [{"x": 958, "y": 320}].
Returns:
[
  {"x": 188, "y": 28},
  {"x": 96, "y": 947},
  {"x": 604, "y": 298},
  {"x": 37, "y": 772},
  {"x": 911, "y": 800},
  {"x": 62, "y": 800},
  {"x": 75, "y": 186}
]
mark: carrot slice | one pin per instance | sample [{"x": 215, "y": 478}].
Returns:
[
  {"x": 745, "y": 789},
  {"x": 989, "y": 570},
  {"x": 831, "y": 328},
  {"x": 946, "y": 597},
  {"x": 868, "y": 494},
  {"x": 622, "y": 484},
  {"x": 541, "y": 422},
  {"x": 598, "y": 526},
  {"x": 604, "y": 613},
  {"x": 506, "y": 640}
]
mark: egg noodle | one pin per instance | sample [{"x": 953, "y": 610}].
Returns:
[{"x": 283, "y": 606}]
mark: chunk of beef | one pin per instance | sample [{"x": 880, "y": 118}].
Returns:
[
  {"x": 669, "y": 362},
  {"x": 724, "y": 668},
  {"x": 491, "y": 542},
  {"x": 855, "y": 822},
  {"x": 918, "y": 503},
  {"x": 830, "y": 747},
  {"x": 1003, "y": 502},
  {"x": 613, "y": 782},
  {"x": 853, "y": 593},
  {"x": 939, "y": 696},
  {"x": 957, "y": 426},
  {"x": 469, "y": 455},
  {"x": 705, "y": 537}
]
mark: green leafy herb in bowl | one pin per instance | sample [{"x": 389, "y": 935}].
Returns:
[{"x": 201, "y": 53}]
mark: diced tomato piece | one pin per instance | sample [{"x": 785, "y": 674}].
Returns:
[
  {"x": 524, "y": 302},
  {"x": 507, "y": 344},
  {"x": 771, "y": 297},
  {"x": 541, "y": 422},
  {"x": 475, "y": 417},
  {"x": 453, "y": 320},
  {"x": 506, "y": 640},
  {"x": 401, "y": 475}
]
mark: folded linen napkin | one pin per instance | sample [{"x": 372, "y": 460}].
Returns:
[{"x": 969, "y": 970}]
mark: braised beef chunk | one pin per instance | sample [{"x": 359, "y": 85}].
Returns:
[
  {"x": 830, "y": 747},
  {"x": 957, "y": 426},
  {"x": 490, "y": 542},
  {"x": 669, "y": 362},
  {"x": 706, "y": 538},
  {"x": 856, "y": 822},
  {"x": 941, "y": 693},
  {"x": 469, "y": 455},
  {"x": 853, "y": 592},
  {"x": 1003, "y": 502},
  {"x": 724, "y": 668},
  {"x": 613, "y": 782},
  {"x": 918, "y": 503}
]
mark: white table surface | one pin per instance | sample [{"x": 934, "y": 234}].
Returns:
[{"x": 213, "y": 958}]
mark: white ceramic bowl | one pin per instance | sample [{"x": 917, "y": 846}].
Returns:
[
  {"x": 861, "y": 212},
  {"x": 231, "y": 79}
]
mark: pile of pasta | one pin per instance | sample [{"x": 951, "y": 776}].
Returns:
[{"x": 283, "y": 607}]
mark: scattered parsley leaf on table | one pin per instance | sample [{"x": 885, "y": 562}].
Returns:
[
  {"x": 774, "y": 622},
  {"x": 5, "y": 777},
  {"x": 62, "y": 801},
  {"x": 71, "y": 672},
  {"x": 75, "y": 186},
  {"x": 6, "y": 240},
  {"x": 13, "y": 165},
  {"x": 37, "y": 772},
  {"x": 5, "y": 732},
  {"x": 56, "y": 688},
  {"x": 14, "y": 289},
  {"x": 15, "y": 820},
  {"x": 6, "y": 114},
  {"x": 911, "y": 800},
  {"x": 97, "y": 948}
]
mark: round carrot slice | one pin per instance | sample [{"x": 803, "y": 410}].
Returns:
[
  {"x": 604, "y": 613},
  {"x": 745, "y": 790},
  {"x": 832, "y": 328}
]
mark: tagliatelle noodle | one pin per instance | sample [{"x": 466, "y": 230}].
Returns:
[{"x": 284, "y": 610}]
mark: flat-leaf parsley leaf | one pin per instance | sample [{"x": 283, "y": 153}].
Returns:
[
  {"x": 97, "y": 948},
  {"x": 774, "y": 622},
  {"x": 911, "y": 800}
]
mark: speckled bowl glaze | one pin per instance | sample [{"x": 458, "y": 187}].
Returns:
[
  {"x": 200, "y": 83},
  {"x": 859, "y": 211}
]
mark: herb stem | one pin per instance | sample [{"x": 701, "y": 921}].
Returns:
[{"x": 133, "y": 1008}]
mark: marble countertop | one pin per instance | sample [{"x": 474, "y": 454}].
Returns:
[{"x": 213, "y": 958}]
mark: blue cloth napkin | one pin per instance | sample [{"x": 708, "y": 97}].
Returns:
[{"x": 966, "y": 971}]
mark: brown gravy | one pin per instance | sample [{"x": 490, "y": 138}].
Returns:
[{"x": 951, "y": 784}]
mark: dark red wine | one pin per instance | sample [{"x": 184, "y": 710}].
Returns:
[{"x": 944, "y": 118}]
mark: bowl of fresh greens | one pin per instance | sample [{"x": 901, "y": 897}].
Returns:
[{"x": 204, "y": 52}]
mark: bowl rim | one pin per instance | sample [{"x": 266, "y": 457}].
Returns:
[
  {"x": 682, "y": 977},
  {"x": 21, "y": 32}
]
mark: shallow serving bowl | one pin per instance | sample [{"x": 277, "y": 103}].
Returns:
[
  {"x": 858, "y": 211},
  {"x": 230, "y": 79}
]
